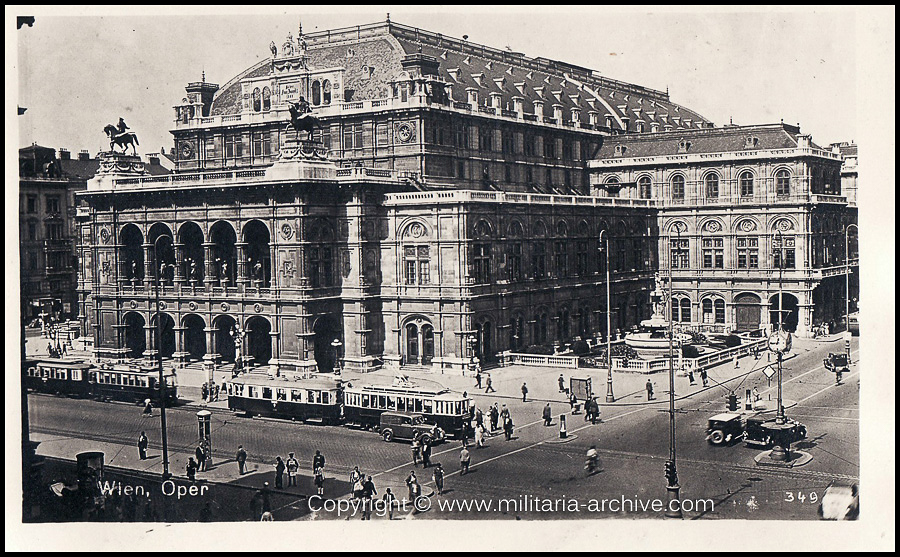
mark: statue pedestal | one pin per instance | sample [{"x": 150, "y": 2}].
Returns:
[
  {"x": 299, "y": 159},
  {"x": 116, "y": 166}
]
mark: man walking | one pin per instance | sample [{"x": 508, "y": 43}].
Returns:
[
  {"x": 464, "y": 460},
  {"x": 438, "y": 476},
  {"x": 562, "y": 383},
  {"x": 649, "y": 387},
  {"x": 504, "y": 414},
  {"x": 489, "y": 388},
  {"x": 548, "y": 415},
  {"x": 704, "y": 378},
  {"x": 279, "y": 473},
  {"x": 368, "y": 493},
  {"x": 479, "y": 417},
  {"x": 355, "y": 478},
  {"x": 595, "y": 410},
  {"x": 318, "y": 461},
  {"x": 691, "y": 376},
  {"x": 508, "y": 429},
  {"x": 413, "y": 484},
  {"x": 495, "y": 417},
  {"x": 416, "y": 448},
  {"x": 389, "y": 501},
  {"x": 143, "y": 442},
  {"x": 191, "y": 469},
  {"x": 479, "y": 436},
  {"x": 241, "y": 458},
  {"x": 477, "y": 378},
  {"x": 426, "y": 455},
  {"x": 201, "y": 457},
  {"x": 293, "y": 466},
  {"x": 524, "y": 393}
]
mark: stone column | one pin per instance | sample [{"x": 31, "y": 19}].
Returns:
[
  {"x": 243, "y": 275},
  {"x": 179, "y": 345},
  {"x": 121, "y": 267},
  {"x": 272, "y": 260},
  {"x": 179, "y": 264},
  {"x": 149, "y": 350},
  {"x": 211, "y": 357},
  {"x": 276, "y": 353},
  {"x": 210, "y": 265},
  {"x": 148, "y": 267}
]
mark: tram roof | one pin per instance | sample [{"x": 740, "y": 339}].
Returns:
[
  {"x": 436, "y": 392},
  {"x": 286, "y": 383},
  {"x": 137, "y": 370},
  {"x": 60, "y": 363}
]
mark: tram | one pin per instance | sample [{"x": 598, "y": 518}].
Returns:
[
  {"x": 61, "y": 377},
  {"x": 315, "y": 399},
  {"x": 77, "y": 378},
  {"x": 364, "y": 404}
]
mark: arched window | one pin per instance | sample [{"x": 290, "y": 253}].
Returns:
[
  {"x": 612, "y": 187},
  {"x": 685, "y": 310},
  {"x": 256, "y": 100},
  {"x": 266, "y": 98},
  {"x": 326, "y": 92},
  {"x": 316, "y": 93},
  {"x": 645, "y": 189},
  {"x": 712, "y": 186},
  {"x": 678, "y": 187},
  {"x": 746, "y": 183},
  {"x": 720, "y": 310},
  {"x": 708, "y": 316},
  {"x": 782, "y": 183}
]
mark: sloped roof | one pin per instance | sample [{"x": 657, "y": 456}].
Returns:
[
  {"x": 713, "y": 140},
  {"x": 488, "y": 70}
]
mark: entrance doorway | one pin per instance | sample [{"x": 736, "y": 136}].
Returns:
[
  {"x": 194, "y": 337},
  {"x": 747, "y": 312},
  {"x": 790, "y": 307},
  {"x": 326, "y": 330}
]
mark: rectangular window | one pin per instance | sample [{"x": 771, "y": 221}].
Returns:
[
  {"x": 424, "y": 272},
  {"x": 550, "y": 148},
  {"x": 52, "y": 204},
  {"x": 353, "y": 135},
  {"x": 787, "y": 250},
  {"x": 417, "y": 264},
  {"x": 514, "y": 263},
  {"x": 31, "y": 204},
  {"x": 562, "y": 260},
  {"x": 482, "y": 263},
  {"x": 381, "y": 135},
  {"x": 411, "y": 272},
  {"x": 528, "y": 146},
  {"x": 748, "y": 253},
  {"x": 485, "y": 136},
  {"x": 538, "y": 261},
  {"x": 32, "y": 230},
  {"x": 713, "y": 253}
]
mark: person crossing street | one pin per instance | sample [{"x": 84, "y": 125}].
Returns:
[
  {"x": 547, "y": 415},
  {"x": 143, "y": 442}
]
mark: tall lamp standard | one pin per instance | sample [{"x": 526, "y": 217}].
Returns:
[
  {"x": 162, "y": 381},
  {"x": 847, "y": 257},
  {"x": 674, "y": 508},
  {"x": 780, "y": 342},
  {"x": 336, "y": 343},
  {"x": 609, "y": 382}
]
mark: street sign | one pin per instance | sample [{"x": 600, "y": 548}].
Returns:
[{"x": 769, "y": 371}]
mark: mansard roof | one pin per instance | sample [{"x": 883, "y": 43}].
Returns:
[
  {"x": 468, "y": 65},
  {"x": 712, "y": 140}
]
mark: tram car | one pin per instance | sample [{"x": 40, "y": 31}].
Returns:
[
  {"x": 133, "y": 383},
  {"x": 314, "y": 399},
  {"x": 364, "y": 404},
  {"x": 59, "y": 377}
]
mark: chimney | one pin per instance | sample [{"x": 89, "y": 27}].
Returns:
[
  {"x": 592, "y": 116},
  {"x": 64, "y": 154},
  {"x": 558, "y": 113},
  {"x": 576, "y": 115},
  {"x": 153, "y": 160},
  {"x": 539, "y": 109},
  {"x": 83, "y": 155}
]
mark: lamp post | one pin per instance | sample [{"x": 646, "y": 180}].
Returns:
[
  {"x": 780, "y": 342},
  {"x": 674, "y": 507},
  {"x": 336, "y": 343},
  {"x": 847, "y": 257},
  {"x": 604, "y": 235},
  {"x": 162, "y": 381},
  {"x": 471, "y": 341}
]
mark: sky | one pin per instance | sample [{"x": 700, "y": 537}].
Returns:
[{"x": 79, "y": 72}]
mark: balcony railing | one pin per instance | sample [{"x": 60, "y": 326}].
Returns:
[{"x": 458, "y": 196}]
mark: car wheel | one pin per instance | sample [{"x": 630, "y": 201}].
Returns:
[
  {"x": 717, "y": 437},
  {"x": 387, "y": 435}
]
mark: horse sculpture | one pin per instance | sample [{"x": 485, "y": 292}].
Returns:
[
  {"x": 122, "y": 139},
  {"x": 302, "y": 119}
]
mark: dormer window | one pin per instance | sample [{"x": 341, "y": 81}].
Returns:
[
  {"x": 609, "y": 121},
  {"x": 266, "y": 99},
  {"x": 620, "y": 150},
  {"x": 639, "y": 127},
  {"x": 257, "y": 100},
  {"x": 751, "y": 142},
  {"x": 684, "y": 146},
  {"x": 479, "y": 79}
]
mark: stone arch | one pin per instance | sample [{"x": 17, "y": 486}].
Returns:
[
  {"x": 166, "y": 263},
  {"x": 516, "y": 229},
  {"x": 712, "y": 225},
  {"x": 326, "y": 328},
  {"x": 257, "y": 237},
  {"x": 776, "y": 220},
  {"x": 266, "y": 98},
  {"x": 562, "y": 229},
  {"x": 167, "y": 345},
  {"x": 194, "y": 336},
  {"x": 224, "y": 252},
  {"x": 484, "y": 346},
  {"x": 258, "y": 339},
  {"x": 191, "y": 238},
  {"x": 746, "y": 225},
  {"x": 584, "y": 229},
  {"x": 414, "y": 229},
  {"x": 540, "y": 229},
  {"x": 134, "y": 336},
  {"x": 131, "y": 241},
  {"x": 482, "y": 229},
  {"x": 790, "y": 307},
  {"x": 225, "y": 344}
]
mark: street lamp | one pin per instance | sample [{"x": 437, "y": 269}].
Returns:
[
  {"x": 336, "y": 343},
  {"x": 672, "y": 486},
  {"x": 471, "y": 340},
  {"x": 162, "y": 379},
  {"x": 847, "y": 257},
  {"x": 604, "y": 235}
]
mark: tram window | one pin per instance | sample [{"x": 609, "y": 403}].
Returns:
[
  {"x": 45, "y": 373},
  {"x": 418, "y": 403},
  {"x": 428, "y": 406},
  {"x": 144, "y": 381},
  {"x": 76, "y": 375},
  {"x": 229, "y": 388},
  {"x": 324, "y": 397},
  {"x": 457, "y": 408},
  {"x": 365, "y": 401},
  {"x": 239, "y": 390},
  {"x": 280, "y": 394},
  {"x": 296, "y": 395},
  {"x": 401, "y": 403},
  {"x": 310, "y": 397},
  {"x": 267, "y": 393},
  {"x": 391, "y": 403},
  {"x": 251, "y": 391}
]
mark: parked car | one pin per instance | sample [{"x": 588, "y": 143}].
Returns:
[
  {"x": 840, "y": 502},
  {"x": 406, "y": 426},
  {"x": 724, "y": 428}
]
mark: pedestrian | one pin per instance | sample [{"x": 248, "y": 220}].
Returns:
[
  {"x": 293, "y": 466},
  {"x": 267, "y": 517},
  {"x": 204, "y": 391},
  {"x": 148, "y": 407},
  {"x": 595, "y": 410},
  {"x": 504, "y": 414},
  {"x": 438, "y": 476},
  {"x": 143, "y": 442},
  {"x": 50, "y": 350},
  {"x": 426, "y": 455},
  {"x": 524, "y": 393},
  {"x": 389, "y": 502},
  {"x": 562, "y": 383},
  {"x": 495, "y": 417},
  {"x": 355, "y": 478},
  {"x": 411, "y": 483},
  {"x": 201, "y": 457},
  {"x": 320, "y": 481},
  {"x": 191, "y": 469},
  {"x": 691, "y": 376},
  {"x": 479, "y": 417},
  {"x": 416, "y": 447},
  {"x": 479, "y": 436},
  {"x": 477, "y": 378},
  {"x": 649, "y": 387},
  {"x": 318, "y": 461},
  {"x": 65, "y": 351},
  {"x": 279, "y": 473},
  {"x": 703, "y": 377},
  {"x": 217, "y": 393},
  {"x": 756, "y": 396},
  {"x": 737, "y": 364},
  {"x": 241, "y": 458},
  {"x": 573, "y": 402},
  {"x": 489, "y": 388},
  {"x": 464, "y": 461},
  {"x": 368, "y": 492},
  {"x": 548, "y": 415}
]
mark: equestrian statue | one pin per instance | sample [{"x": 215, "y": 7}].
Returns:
[
  {"x": 118, "y": 136},
  {"x": 302, "y": 118}
]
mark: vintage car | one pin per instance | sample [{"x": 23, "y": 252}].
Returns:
[
  {"x": 762, "y": 431},
  {"x": 840, "y": 502},
  {"x": 724, "y": 428},
  {"x": 407, "y": 426}
]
